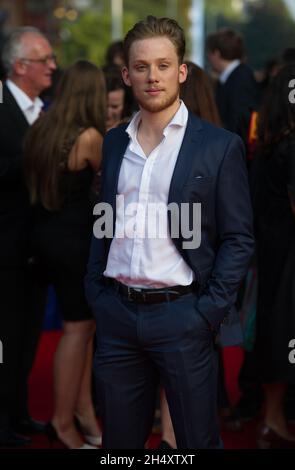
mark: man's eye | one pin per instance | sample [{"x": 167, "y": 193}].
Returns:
[
  {"x": 140, "y": 67},
  {"x": 163, "y": 66}
]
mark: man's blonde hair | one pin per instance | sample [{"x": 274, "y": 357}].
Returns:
[{"x": 156, "y": 27}]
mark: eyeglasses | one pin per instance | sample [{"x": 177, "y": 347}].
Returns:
[{"x": 45, "y": 60}]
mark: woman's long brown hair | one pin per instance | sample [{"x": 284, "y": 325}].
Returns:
[
  {"x": 197, "y": 94},
  {"x": 80, "y": 103},
  {"x": 276, "y": 119}
]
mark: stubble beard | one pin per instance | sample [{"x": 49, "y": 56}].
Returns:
[{"x": 157, "y": 106}]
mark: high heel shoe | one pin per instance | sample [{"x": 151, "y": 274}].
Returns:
[
  {"x": 268, "y": 438},
  {"x": 90, "y": 439},
  {"x": 52, "y": 435},
  {"x": 93, "y": 440},
  {"x": 87, "y": 446}
]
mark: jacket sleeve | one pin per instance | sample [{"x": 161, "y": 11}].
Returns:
[
  {"x": 10, "y": 168},
  {"x": 235, "y": 236},
  {"x": 98, "y": 249}
]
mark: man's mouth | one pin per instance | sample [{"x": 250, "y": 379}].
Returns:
[{"x": 153, "y": 91}]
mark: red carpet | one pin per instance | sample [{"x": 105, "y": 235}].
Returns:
[{"x": 41, "y": 400}]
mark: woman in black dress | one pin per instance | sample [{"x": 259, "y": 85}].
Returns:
[
  {"x": 273, "y": 199},
  {"x": 62, "y": 155}
]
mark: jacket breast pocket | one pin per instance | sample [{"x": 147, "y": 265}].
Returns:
[{"x": 198, "y": 189}]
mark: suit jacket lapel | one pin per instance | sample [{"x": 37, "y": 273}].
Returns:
[
  {"x": 114, "y": 164},
  {"x": 182, "y": 168},
  {"x": 188, "y": 150},
  {"x": 191, "y": 141},
  {"x": 14, "y": 110}
]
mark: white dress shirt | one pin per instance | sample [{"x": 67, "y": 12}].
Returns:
[
  {"x": 229, "y": 70},
  {"x": 139, "y": 260},
  {"x": 31, "y": 109}
]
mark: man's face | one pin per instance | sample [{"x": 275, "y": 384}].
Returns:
[
  {"x": 214, "y": 58},
  {"x": 115, "y": 105},
  {"x": 33, "y": 67},
  {"x": 154, "y": 73}
]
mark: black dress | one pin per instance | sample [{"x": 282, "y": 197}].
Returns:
[
  {"x": 61, "y": 242},
  {"x": 275, "y": 231}
]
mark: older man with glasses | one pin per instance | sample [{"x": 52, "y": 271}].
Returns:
[{"x": 29, "y": 63}]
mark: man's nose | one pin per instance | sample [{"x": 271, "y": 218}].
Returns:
[
  {"x": 153, "y": 74},
  {"x": 53, "y": 65}
]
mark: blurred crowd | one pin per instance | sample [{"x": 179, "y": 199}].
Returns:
[{"x": 52, "y": 125}]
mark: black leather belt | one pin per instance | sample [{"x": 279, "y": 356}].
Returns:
[{"x": 150, "y": 296}]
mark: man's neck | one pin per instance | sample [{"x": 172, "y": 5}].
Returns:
[
  {"x": 32, "y": 94},
  {"x": 223, "y": 65},
  {"x": 153, "y": 124},
  {"x": 227, "y": 71}
]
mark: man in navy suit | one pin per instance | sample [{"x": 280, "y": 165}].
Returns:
[
  {"x": 237, "y": 90},
  {"x": 160, "y": 287}
]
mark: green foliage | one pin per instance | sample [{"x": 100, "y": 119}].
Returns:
[
  {"x": 266, "y": 25},
  {"x": 143, "y": 8},
  {"x": 90, "y": 35},
  {"x": 267, "y": 28},
  {"x": 83, "y": 38},
  {"x": 224, "y": 7}
]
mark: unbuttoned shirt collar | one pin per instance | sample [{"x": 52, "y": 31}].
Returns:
[
  {"x": 179, "y": 120},
  {"x": 229, "y": 69},
  {"x": 31, "y": 109}
]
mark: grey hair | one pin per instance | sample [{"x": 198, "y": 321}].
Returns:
[{"x": 13, "y": 47}]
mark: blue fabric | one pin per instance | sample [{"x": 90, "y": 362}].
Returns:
[
  {"x": 53, "y": 318},
  {"x": 210, "y": 170},
  {"x": 248, "y": 310},
  {"x": 136, "y": 342}
]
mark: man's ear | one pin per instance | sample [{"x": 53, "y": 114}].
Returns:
[
  {"x": 217, "y": 53},
  {"x": 182, "y": 73},
  {"x": 19, "y": 67},
  {"x": 125, "y": 76}
]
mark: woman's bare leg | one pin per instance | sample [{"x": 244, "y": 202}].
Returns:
[
  {"x": 274, "y": 412},
  {"x": 167, "y": 426},
  {"x": 85, "y": 410},
  {"x": 69, "y": 363}
]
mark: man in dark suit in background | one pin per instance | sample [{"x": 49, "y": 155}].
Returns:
[
  {"x": 160, "y": 298},
  {"x": 29, "y": 62},
  {"x": 236, "y": 91}
]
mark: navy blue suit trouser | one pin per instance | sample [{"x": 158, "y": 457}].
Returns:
[{"x": 137, "y": 344}]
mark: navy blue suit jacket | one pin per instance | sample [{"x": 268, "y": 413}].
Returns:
[
  {"x": 236, "y": 99},
  {"x": 211, "y": 170}
]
